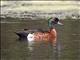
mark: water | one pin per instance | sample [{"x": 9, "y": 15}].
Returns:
[{"x": 67, "y": 48}]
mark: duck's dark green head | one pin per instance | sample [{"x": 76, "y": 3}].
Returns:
[{"x": 53, "y": 21}]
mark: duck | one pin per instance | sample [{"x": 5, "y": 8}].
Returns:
[{"x": 38, "y": 35}]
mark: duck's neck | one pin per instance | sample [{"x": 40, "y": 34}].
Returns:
[
  {"x": 52, "y": 30},
  {"x": 51, "y": 26}
]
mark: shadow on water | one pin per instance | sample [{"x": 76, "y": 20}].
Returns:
[{"x": 67, "y": 43}]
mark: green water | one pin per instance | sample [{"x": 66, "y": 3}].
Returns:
[{"x": 67, "y": 47}]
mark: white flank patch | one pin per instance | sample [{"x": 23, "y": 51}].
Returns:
[{"x": 30, "y": 37}]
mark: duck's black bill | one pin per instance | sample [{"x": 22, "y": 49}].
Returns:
[{"x": 59, "y": 23}]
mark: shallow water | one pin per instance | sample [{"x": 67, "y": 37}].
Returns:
[{"x": 68, "y": 42}]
